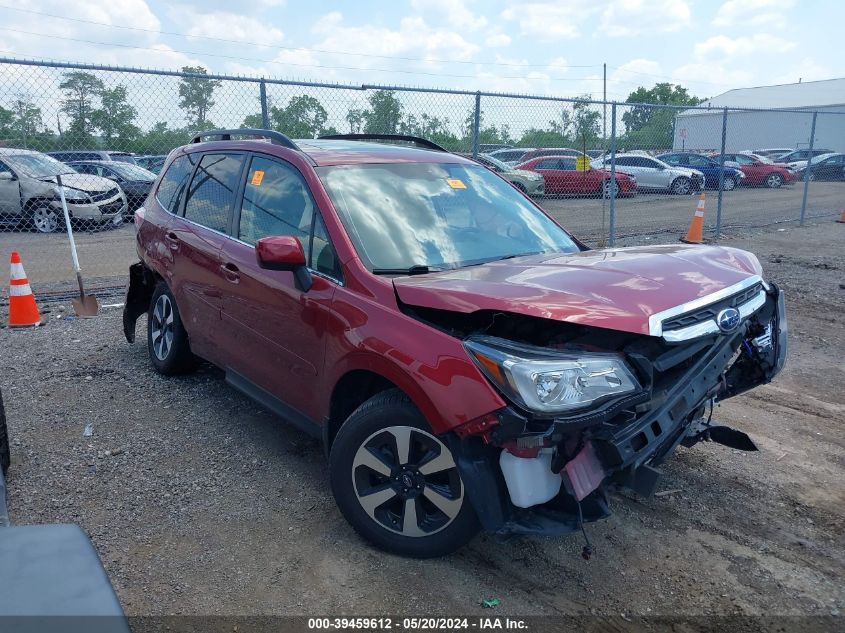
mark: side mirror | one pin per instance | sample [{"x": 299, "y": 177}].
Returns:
[
  {"x": 6, "y": 175},
  {"x": 284, "y": 252}
]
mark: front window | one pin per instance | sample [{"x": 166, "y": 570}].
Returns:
[
  {"x": 437, "y": 215},
  {"x": 38, "y": 165}
]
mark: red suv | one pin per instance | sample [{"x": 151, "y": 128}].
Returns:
[{"x": 466, "y": 362}]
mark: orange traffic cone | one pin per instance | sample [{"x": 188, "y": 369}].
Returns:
[
  {"x": 22, "y": 308},
  {"x": 695, "y": 234},
  {"x": 842, "y": 218}
]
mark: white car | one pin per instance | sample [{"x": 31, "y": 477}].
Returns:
[{"x": 653, "y": 174}]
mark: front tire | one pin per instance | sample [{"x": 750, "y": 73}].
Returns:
[
  {"x": 681, "y": 186},
  {"x": 45, "y": 219},
  {"x": 610, "y": 188},
  {"x": 396, "y": 483},
  {"x": 728, "y": 184},
  {"x": 773, "y": 181},
  {"x": 167, "y": 340}
]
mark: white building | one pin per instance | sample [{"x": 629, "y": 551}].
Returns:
[{"x": 752, "y": 129}]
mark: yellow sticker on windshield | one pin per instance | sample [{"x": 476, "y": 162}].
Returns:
[
  {"x": 456, "y": 183},
  {"x": 257, "y": 177}
]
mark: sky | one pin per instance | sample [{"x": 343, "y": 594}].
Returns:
[{"x": 550, "y": 48}]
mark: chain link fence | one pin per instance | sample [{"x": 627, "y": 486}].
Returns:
[{"x": 612, "y": 173}]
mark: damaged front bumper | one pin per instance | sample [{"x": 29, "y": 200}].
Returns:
[{"x": 621, "y": 443}]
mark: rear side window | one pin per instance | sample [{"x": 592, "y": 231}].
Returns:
[
  {"x": 171, "y": 188},
  {"x": 548, "y": 163},
  {"x": 276, "y": 202},
  {"x": 212, "y": 190}
]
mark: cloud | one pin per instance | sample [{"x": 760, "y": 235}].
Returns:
[
  {"x": 496, "y": 40},
  {"x": 627, "y": 18},
  {"x": 451, "y": 13},
  {"x": 223, "y": 25},
  {"x": 744, "y": 13},
  {"x": 731, "y": 47},
  {"x": 550, "y": 21}
]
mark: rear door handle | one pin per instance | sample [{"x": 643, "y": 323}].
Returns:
[{"x": 231, "y": 272}]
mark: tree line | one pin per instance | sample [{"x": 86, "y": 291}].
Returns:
[{"x": 101, "y": 117}]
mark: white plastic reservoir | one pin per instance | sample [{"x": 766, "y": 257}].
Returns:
[{"x": 530, "y": 480}]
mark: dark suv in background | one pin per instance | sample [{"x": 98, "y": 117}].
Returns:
[{"x": 464, "y": 359}]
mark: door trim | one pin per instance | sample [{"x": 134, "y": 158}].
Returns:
[{"x": 273, "y": 404}]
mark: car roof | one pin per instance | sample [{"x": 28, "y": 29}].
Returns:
[
  {"x": 14, "y": 151},
  {"x": 327, "y": 152},
  {"x": 106, "y": 163}
]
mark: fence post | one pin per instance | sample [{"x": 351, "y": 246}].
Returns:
[
  {"x": 611, "y": 239},
  {"x": 809, "y": 167},
  {"x": 265, "y": 115},
  {"x": 721, "y": 174},
  {"x": 476, "y": 124}
]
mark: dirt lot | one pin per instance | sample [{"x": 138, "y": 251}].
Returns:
[{"x": 199, "y": 502}]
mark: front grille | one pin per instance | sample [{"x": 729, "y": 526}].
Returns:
[
  {"x": 111, "y": 193},
  {"x": 708, "y": 313},
  {"x": 114, "y": 207}
]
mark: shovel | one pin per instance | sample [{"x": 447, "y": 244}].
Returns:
[{"x": 86, "y": 305}]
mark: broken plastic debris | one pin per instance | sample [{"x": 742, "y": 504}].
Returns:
[
  {"x": 89, "y": 430},
  {"x": 489, "y": 603}
]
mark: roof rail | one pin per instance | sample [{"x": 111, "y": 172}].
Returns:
[
  {"x": 416, "y": 140},
  {"x": 277, "y": 138}
]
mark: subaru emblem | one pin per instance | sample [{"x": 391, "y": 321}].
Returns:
[{"x": 728, "y": 319}]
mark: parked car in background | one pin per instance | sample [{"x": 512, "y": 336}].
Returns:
[
  {"x": 707, "y": 166},
  {"x": 798, "y": 158},
  {"x": 135, "y": 181},
  {"x": 561, "y": 177},
  {"x": 760, "y": 171},
  {"x": 825, "y": 167},
  {"x": 772, "y": 153},
  {"x": 29, "y": 193},
  {"x": 153, "y": 163},
  {"x": 528, "y": 182},
  {"x": 654, "y": 174},
  {"x": 68, "y": 156},
  {"x": 549, "y": 151},
  {"x": 486, "y": 148},
  {"x": 510, "y": 156},
  {"x": 467, "y": 363}
]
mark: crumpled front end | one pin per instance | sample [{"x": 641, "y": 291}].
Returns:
[{"x": 533, "y": 472}]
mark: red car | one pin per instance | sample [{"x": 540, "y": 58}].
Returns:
[
  {"x": 562, "y": 177},
  {"x": 466, "y": 362},
  {"x": 761, "y": 172}
]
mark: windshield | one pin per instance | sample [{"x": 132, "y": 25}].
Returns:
[
  {"x": 38, "y": 165},
  {"x": 437, "y": 215},
  {"x": 132, "y": 172},
  {"x": 486, "y": 158}
]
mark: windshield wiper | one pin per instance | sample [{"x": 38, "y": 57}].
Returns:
[
  {"x": 499, "y": 259},
  {"x": 416, "y": 269}
]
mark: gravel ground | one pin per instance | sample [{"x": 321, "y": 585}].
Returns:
[{"x": 200, "y": 502}]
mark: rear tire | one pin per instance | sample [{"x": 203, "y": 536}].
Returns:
[
  {"x": 396, "y": 483},
  {"x": 167, "y": 340},
  {"x": 681, "y": 186},
  {"x": 773, "y": 180}
]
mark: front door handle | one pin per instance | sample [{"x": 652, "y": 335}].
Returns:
[
  {"x": 231, "y": 272},
  {"x": 172, "y": 240}
]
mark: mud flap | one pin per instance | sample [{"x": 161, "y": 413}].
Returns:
[
  {"x": 139, "y": 292},
  {"x": 724, "y": 435}
]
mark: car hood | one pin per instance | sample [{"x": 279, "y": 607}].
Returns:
[
  {"x": 617, "y": 289},
  {"x": 86, "y": 182},
  {"x": 523, "y": 173}
]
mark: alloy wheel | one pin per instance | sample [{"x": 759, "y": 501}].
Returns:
[
  {"x": 610, "y": 189},
  {"x": 45, "y": 219},
  {"x": 681, "y": 186},
  {"x": 774, "y": 181},
  {"x": 161, "y": 334},
  {"x": 728, "y": 184},
  {"x": 407, "y": 482}
]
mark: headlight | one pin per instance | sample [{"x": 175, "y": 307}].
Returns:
[
  {"x": 74, "y": 194},
  {"x": 548, "y": 381}
]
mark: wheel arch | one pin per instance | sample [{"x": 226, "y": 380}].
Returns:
[{"x": 362, "y": 381}]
